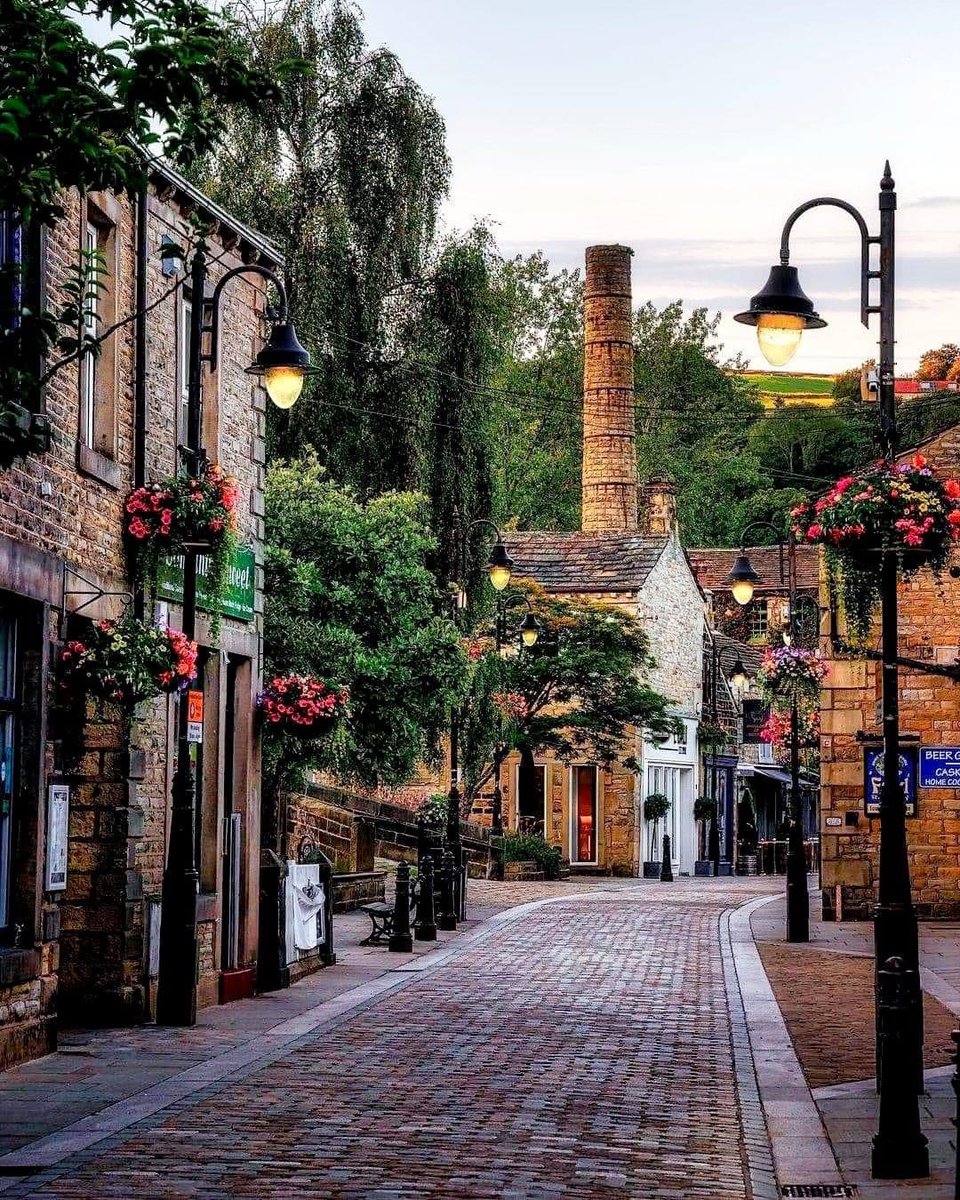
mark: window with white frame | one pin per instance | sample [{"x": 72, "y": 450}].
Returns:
[{"x": 759, "y": 621}]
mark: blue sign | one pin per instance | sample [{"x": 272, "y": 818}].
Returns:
[
  {"x": 940, "y": 766},
  {"x": 873, "y": 779}
]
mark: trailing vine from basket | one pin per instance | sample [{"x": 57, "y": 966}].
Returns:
[{"x": 127, "y": 661}]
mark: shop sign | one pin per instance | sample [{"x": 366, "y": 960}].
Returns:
[
  {"x": 940, "y": 766},
  {"x": 241, "y": 578},
  {"x": 873, "y": 779},
  {"x": 58, "y": 822},
  {"x": 194, "y": 716}
]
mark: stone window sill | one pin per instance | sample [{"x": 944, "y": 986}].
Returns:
[{"x": 91, "y": 462}]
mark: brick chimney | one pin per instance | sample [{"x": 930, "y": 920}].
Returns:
[
  {"x": 660, "y": 507},
  {"x": 609, "y": 449}
]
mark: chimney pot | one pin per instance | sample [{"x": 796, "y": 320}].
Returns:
[{"x": 660, "y": 506}]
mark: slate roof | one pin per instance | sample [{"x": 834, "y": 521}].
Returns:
[
  {"x": 712, "y": 567},
  {"x": 751, "y": 655},
  {"x": 584, "y": 562}
]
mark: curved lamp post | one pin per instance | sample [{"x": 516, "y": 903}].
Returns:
[
  {"x": 781, "y": 312},
  {"x": 738, "y": 677},
  {"x": 499, "y": 569},
  {"x": 743, "y": 580},
  {"x": 284, "y": 364}
]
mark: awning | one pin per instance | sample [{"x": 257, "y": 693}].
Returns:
[{"x": 772, "y": 773}]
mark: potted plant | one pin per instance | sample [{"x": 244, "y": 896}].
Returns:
[
  {"x": 703, "y": 812},
  {"x": 655, "y": 808},
  {"x": 890, "y": 506},
  {"x": 127, "y": 661},
  {"x": 197, "y": 511},
  {"x": 301, "y": 706}
]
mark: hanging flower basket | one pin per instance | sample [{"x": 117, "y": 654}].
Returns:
[
  {"x": 127, "y": 661},
  {"x": 903, "y": 507},
  {"x": 195, "y": 511},
  {"x": 790, "y": 673},
  {"x": 301, "y": 706},
  {"x": 777, "y": 730}
]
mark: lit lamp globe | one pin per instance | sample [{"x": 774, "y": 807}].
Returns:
[
  {"x": 743, "y": 579},
  {"x": 738, "y": 676},
  {"x": 529, "y": 630},
  {"x": 499, "y": 567},
  {"x": 781, "y": 311},
  {"x": 283, "y": 365}
]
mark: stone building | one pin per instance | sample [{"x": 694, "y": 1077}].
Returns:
[
  {"x": 627, "y": 553},
  {"x": 851, "y": 737},
  {"x": 79, "y": 903},
  {"x": 751, "y": 770}
]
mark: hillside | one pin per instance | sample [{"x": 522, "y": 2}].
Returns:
[{"x": 778, "y": 387}]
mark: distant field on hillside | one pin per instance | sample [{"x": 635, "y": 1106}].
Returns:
[{"x": 781, "y": 384}]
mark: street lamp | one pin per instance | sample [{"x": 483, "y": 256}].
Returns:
[
  {"x": 738, "y": 677},
  {"x": 781, "y": 312},
  {"x": 743, "y": 579},
  {"x": 283, "y": 364},
  {"x": 499, "y": 564}
]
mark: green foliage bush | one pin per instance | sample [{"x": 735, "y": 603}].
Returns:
[
  {"x": 703, "y": 808},
  {"x": 530, "y": 847},
  {"x": 655, "y": 806}
]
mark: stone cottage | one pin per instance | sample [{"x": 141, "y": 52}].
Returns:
[
  {"x": 83, "y": 836},
  {"x": 627, "y": 553}
]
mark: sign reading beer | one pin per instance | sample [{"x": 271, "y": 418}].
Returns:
[{"x": 940, "y": 767}]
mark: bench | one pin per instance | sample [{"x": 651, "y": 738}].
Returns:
[{"x": 381, "y": 918}]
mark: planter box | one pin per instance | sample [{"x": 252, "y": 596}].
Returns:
[
  {"x": 522, "y": 872},
  {"x": 651, "y": 870},
  {"x": 726, "y": 868},
  {"x": 703, "y": 866}
]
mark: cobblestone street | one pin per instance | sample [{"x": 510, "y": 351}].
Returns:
[{"x": 582, "y": 1047}]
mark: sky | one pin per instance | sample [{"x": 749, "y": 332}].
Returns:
[{"x": 690, "y": 129}]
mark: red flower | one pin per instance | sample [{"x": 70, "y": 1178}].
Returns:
[
  {"x": 954, "y": 516},
  {"x": 952, "y": 488},
  {"x": 919, "y": 461}
]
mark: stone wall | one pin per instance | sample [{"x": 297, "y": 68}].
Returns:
[
  {"x": 671, "y": 608},
  {"x": 60, "y": 532},
  {"x": 929, "y": 624}
]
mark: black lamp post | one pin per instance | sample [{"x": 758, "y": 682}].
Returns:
[
  {"x": 499, "y": 571},
  {"x": 283, "y": 363},
  {"x": 781, "y": 312},
  {"x": 738, "y": 677},
  {"x": 743, "y": 580}
]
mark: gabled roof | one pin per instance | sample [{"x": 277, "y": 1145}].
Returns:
[
  {"x": 712, "y": 567},
  {"x": 585, "y": 562}
]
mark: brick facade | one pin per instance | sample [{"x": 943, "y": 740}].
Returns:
[
  {"x": 929, "y": 625},
  {"x": 86, "y": 952}
]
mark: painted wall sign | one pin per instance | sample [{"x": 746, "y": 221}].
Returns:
[
  {"x": 940, "y": 766},
  {"x": 241, "y": 580},
  {"x": 873, "y": 778},
  {"x": 58, "y": 822}
]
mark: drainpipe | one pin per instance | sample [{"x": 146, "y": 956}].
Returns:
[{"x": 140, "y": 365}]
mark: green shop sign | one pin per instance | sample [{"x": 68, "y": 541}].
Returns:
[{"x": 241, "y": 576}]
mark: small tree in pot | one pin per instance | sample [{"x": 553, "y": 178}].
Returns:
[
  {"x": 655, "y": 808},
  {"x": 703, "y": 810}
]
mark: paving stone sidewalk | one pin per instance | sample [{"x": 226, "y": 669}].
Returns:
[
  {"x": 825, "y": 991},
  {"x": 580, "y": 1048}
]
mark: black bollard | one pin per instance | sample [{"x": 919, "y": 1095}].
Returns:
[
  {"x": 400, "y": 939},
  {"x": 446, "y": 918},
  {"x": 666, "y": 867},
  {"x": 899, "y": 1147},
  {"x": 426, "y": 930},
  {"x": 956, "y": 1120}
]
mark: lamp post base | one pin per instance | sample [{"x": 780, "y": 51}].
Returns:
[{"x": 901, "y": 1158}]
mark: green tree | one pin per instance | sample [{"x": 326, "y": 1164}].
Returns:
[
  {"x": 77, "y": 114},
  {"x": 351, "y": 600},
  {"x": 537, "y": 413},
  {"x": 577, "y": 694}
]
